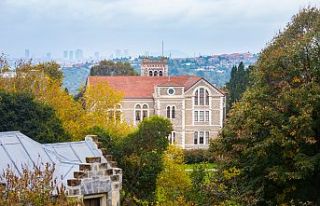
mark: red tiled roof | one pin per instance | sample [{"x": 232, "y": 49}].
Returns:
[{"x": 143, "y": 87}]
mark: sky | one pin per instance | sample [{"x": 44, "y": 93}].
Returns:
[{"x": 187, "y": 27}]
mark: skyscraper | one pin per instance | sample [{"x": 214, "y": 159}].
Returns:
[
  {"x": 65, "y": 54},
  {"x": 27, "y": 53},
  {"x": 79, "y": 54},
  {"x": 70, "y": 55}
]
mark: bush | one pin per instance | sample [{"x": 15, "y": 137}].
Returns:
[{"x": 197, "y": 156}]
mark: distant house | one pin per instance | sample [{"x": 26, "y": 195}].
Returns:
[
  {"x": 195, "y": 107},
  {"x": 84, "y": 169}
]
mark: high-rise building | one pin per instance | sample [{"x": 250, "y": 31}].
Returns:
[
  {"x": 65, "y": 54},
  {"x": 27, "y": 53},
  {"x": 70, "y": 55},
  {"x": 79, "y": 54}
]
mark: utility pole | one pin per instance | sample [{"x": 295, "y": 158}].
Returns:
[{"x": 162, "y": 47}]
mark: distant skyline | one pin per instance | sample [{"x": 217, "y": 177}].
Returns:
[{"x": 187, "y": 27}]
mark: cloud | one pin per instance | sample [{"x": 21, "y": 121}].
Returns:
[{"x": 138, "y": 22}]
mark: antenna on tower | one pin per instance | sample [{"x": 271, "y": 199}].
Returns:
[{"x": 162, "y": 47}]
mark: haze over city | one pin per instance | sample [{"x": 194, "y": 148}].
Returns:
[{"x": 187, "y": 27}]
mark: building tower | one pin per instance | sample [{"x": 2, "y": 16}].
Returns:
[{"x": 154, "y": 67}]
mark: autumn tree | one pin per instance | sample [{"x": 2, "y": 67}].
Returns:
[
  {"x": 173, "y": 183},
  {"x": 35, "y": 186},
  {"x": 110, "y": 68},
  {"x": 272, "y": 135}
]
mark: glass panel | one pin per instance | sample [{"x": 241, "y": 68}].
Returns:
[
  {"x": 150, "y": 73},
  {"x": 168, "y": 112},
  {"x": 173, "y": 114},
  {"x": 144, "y": 114},
  {"x": 196, "y": 98},
  {"x": 155, "y": 73},
  {"x": 138, "y": 106},
  {"x": 201, "y": 116},
  {"x": 201, "y": 96},
  {"x": 173, "y": 137},
  {"x": 201, "y": 137},
  {"x": 138, "y": 115},
  {"x": 145, "y": 106},
  {"x": 207, "y": 116},
  {"x": 110, "y": 114},
  {"x": 207, "y": 137},
  {"x": 195, "y": 116},
  {"x": 207, "y": 97},
  {"x": 195, "y": 138},
  {"x": 160, "y": 73},
  {"x": 118, "y": 115}
]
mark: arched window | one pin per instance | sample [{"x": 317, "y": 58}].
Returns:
[
  {"x": 138, "y": 113},
  {"x": 150, "y": 73},
  {"x": 144, "y": 111},
  {"x": 115, "y": 113},
  {"x": 171, "y": 112},
  {"x": 155, "y": 73},
  {"x": 201, "y": 97},
  {"x": 196, "y": 98},
  {"x": 207, "y": 97},
  {"x": 160, "y": 73},
  {"x": 168, "y": 112}
]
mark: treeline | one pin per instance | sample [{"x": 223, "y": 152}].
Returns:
[{"x": 110, "y": 68}]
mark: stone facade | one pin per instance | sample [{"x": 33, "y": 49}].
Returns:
[
  {"x": 83, "y": 168},
  {"x": 154, "y": 67},
  {"x": 184, "y": 121}
]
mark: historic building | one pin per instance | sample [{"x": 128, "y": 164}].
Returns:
[
  {"x": 154, "y": 67},
  {"x": 195, "y": 107},
  {"x": 86, "y": 172}
]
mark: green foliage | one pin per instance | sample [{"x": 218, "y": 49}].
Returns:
[
  {"x": 50, "y": 69},
  {"x": 19, "y": 112},
  {"x": 173, "y": 182},
  {"x": 197, "y": 156},
  {"x": 272, "y": 135},
  {"x": 140, "y": 155},
  {"x": 110, "y": 68},
  {"x": 238, "y": 83}
]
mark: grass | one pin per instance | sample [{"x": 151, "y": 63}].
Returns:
[{"x": 207, "y": 165}]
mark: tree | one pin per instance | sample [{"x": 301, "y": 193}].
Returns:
[
  {"x": 173, "y": 182},
  {"x": 237, "y": 84},
  {"x": 19, "y": 112},
  {"x": 140, "y": 154},
  {"x": 42, "y": 81},
  {"x": 272, "y": 135},
  {"x": 110, "y": 68},
  {"x": 34, "y": 187}
]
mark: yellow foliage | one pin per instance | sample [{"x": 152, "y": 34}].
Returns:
[
  {"x": 173, "y": 181},
  {"x": 75, "y": 119}
]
